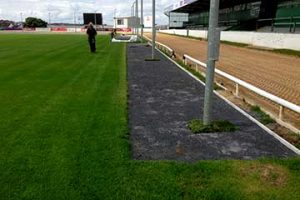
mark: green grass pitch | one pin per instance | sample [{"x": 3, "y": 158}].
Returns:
[{"x": 64, "y": 134}]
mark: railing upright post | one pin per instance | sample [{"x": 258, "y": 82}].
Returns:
[
  {"x": 291, "y": 24},
  {"x": 281, "y": 110},
  {"x": 237, "y": 91},
  {"x": 272, "y": 25}
]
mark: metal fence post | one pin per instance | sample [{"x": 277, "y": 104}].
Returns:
[
  {"x": 142, "y": 18},
  {"x": 153, "y": 29},
  {"x": 272, "y": 25},
  {"x": 213, "y": 54},
  {"x": 137, "y": 16}
]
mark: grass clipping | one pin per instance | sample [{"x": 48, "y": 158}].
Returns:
[{"x": 197, "y": 126}]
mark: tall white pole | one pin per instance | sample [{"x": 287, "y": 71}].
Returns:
[
  {"x": 153, "y": 29},
  {"x": 142, "y": 18},
  {"x": 213, "y": 54}
]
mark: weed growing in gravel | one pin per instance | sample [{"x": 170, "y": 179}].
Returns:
[
  {"x": 197, "y": 126},
  {"x": 197, "y": 74},
  {"x": 263, "y": 117}
]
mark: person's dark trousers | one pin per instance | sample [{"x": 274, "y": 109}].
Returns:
[{"x": 92, "y": 42}]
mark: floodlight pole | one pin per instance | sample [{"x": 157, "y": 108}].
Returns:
[
  {"x": 137, "y": 16},
  {"x": 95, "y": 19},
  {"x": 153, "y": 29},
  {"x": 142, "y": 18},
  {"x": 213, "y": 54},
  {"x": 22, "y": 24},
  {"x": 75, "y": 21},
  {"x": 115, "y": 26},
  {"x": 49, "y": 18},
  {"x": 133, "y": 15}
]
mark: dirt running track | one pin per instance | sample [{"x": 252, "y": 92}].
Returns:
[{"x": 275, "y": 73}]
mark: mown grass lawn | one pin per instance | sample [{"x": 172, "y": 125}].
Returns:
[{"x": 64, "y": 135}]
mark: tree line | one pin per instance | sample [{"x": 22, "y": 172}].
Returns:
[{"x": 30, "y": 22}]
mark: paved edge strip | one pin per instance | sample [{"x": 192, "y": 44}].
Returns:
[{"x": 269, "y": 131}]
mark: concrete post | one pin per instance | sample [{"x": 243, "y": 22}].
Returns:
[
  {"x": 213, "y": 54},
  {"x": 153, "y": 29}
]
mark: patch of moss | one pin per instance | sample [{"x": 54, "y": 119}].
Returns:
[
  {"x": 287, "y": 52},
  {"x": 197, "y": 126},
  {"x": 151, "y": 59}
]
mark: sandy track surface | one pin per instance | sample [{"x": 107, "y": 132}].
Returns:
[{"x": 275, "y": 73}]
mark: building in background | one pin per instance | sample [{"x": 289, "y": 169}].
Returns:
[
  {"x": 126, "y": 22},
  {"x": 235, "y": 15},
  {"x": 148, "y": 21}
]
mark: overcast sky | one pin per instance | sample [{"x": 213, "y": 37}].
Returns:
[{"x": 63, "y": 10}]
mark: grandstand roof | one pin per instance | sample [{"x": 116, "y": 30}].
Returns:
[{"x": 189, "y": 6}]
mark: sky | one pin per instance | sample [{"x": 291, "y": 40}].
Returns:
[{"x": 63, "y": 10}]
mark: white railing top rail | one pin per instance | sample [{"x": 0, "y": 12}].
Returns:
[
  {"x": 258, "y": 91},
  {"x": 165, "y": 46}
]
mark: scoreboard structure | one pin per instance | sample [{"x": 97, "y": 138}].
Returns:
[{"x": 95, "y": 18}]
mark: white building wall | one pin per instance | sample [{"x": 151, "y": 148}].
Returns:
[{"x": 124, "y": 25}]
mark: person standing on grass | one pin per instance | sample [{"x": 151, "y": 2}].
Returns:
[
  {"x": 113, "y": 34},
  {"x": 91, "y": 32}
]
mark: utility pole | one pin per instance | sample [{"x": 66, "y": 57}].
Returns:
[
  {"x": 95, "y": 16},
  {"x": 213, "y": 56},
  {"x": 142, "y": 18},
  {"x": 75, "y": 21},
  {"x": 137, "y": 16},
  {"x": 153, "y": 30},
  {"x": 115, "y": 26},
  {"x": 133, "y": 29}
]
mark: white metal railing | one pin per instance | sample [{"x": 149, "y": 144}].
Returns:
[
  {"x": 165, "y": 47},
  {"x": 171, "y": 51},
  {"x": 281, "y": 102}
]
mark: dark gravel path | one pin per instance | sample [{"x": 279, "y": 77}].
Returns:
[{"x": 163, "y": 98}]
